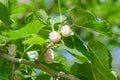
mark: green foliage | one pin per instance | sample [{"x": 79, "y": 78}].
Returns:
[
  {"x": 3, "y": 74},
  {"x": 4, "y": 70},
  {"x": 100, "y": 26},
  {"x": 97, "y": 67},
  {"x": 56, "y": 20},
  {"x": 85, "y": 19},
  {"x": 38, "y": 15},
  {"x": 29, "y": 31},
  {"x": 61, "y": 59},
  {"x": 35, "y": 40},
  {"x": 43, "y": 77},
  {"x": 100, "y": 63},
  {"x": 76, "y": 47},
  {"x": 2, "y": 39},
  {"x": 4, "y": 12},
  {"x": 83, "y": 71},
  {"x": 80, "y": 16}
]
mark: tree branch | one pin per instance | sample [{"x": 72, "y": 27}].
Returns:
[{"x": 39, "y": 66}]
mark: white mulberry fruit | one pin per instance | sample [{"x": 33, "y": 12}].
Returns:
[
  {"x": 55, "y": 37},
  {"x": 49, "y": 56},
  {"x": 66, "y": 31},
  {"x": 12, "y": 49}
]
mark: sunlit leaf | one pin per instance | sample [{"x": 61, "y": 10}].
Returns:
[
  {"x": 35, "y": 40},
  {"x": 58, "y": 19},
  {"x": 100, "y": 61},
  {"x": 37, "y": 15},
  {"x": 98, "y": 68},
  {"x": 83, "y": 18},
  {"x": 99, "y": 26},
  {"x": 76, "y": 48},
  {"x": 29, "y": 30},
  {"x": 80, "y": 16}
]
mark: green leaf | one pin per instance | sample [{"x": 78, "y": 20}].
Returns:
[
  {"x": 37, "y": 15},
  {"x": 80, "y": 16},
  {"x": 4, "y": 12},
  {"x": 56, "y": 20},
  {"x": 45, "y": 30},
  {"x": 35, "y": 40},
  {"x": 59, "y": 58},
  {"x": 43, "y": 77},
  {"x": 100, "y": 26},
  {"x": 100, "y": 61},
  {"x": 85, "y": 19},
  {"x": 29, "y": 18},
  {"x": 57, "y": 67},
  {"x": 41, "y": 15},
  {"x": 29, "y": 30},
  {"x": 99, "y": 66},
  {"x": 2, "y": 40},
  {"x": 4, "y": 73},
  {"x": 83, "y": 71},
  {"x": 75, "y": 47}
]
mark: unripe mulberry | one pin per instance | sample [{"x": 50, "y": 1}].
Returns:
[
  {"x": 66, "y": 31},
  {"x": 55, "y": 37},
  {"x": 12, "y": 49},
  {"x": 49, "y": 56}
]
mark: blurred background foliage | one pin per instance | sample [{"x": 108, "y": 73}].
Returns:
[{"x": 108, "y": 10}]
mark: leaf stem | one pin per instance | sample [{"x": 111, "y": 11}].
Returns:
[
  {"x": 59, "y": 6},
  {"x": 52, "y": 28},
  {"x": 26, "y": 50}
]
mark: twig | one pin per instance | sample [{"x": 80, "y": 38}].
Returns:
[
  {"x": 28, "y": 48},
  {"x": 13, "y": 70},
  {"x": 44, "y": 51},
  {"x": 39, "y": 66},
  {"x": 55, "y": 78}
]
